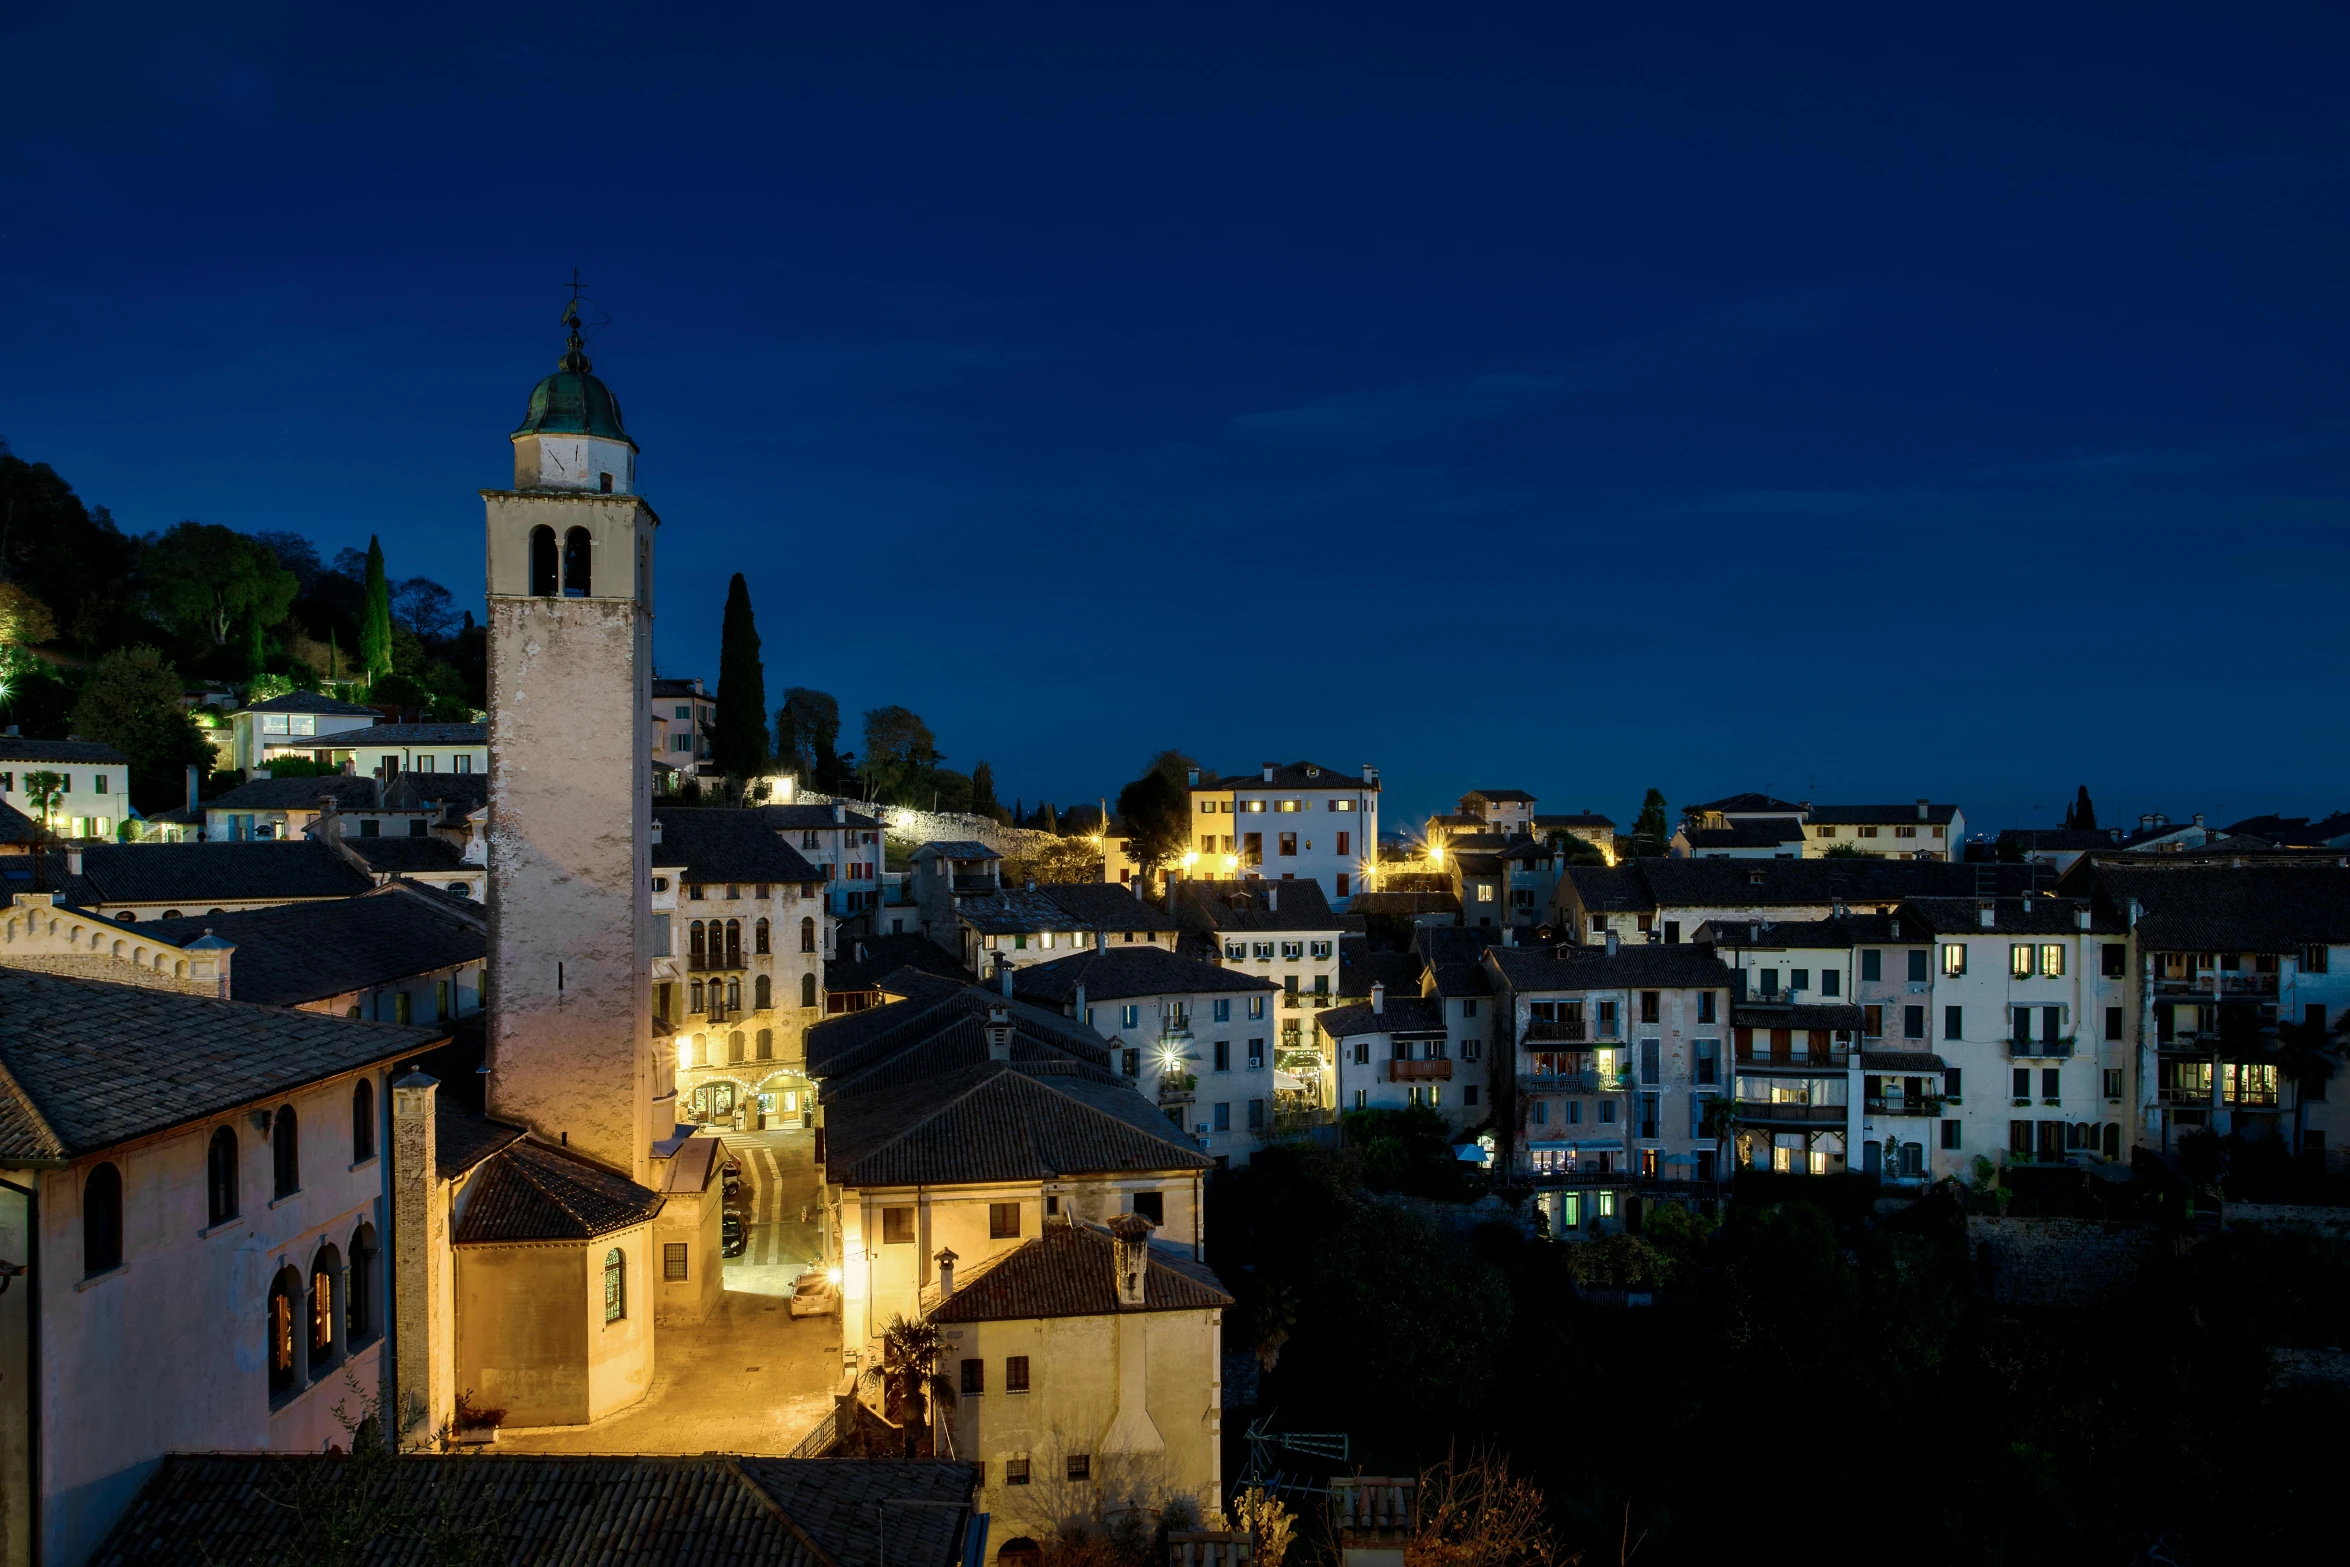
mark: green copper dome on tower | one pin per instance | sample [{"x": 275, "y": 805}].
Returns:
[{"x": 572, "y": 401}]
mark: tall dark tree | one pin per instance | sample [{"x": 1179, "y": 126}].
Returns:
[
  {"x": 1158, "y": 820},
  {"x": 982, "y": 789},
  {"x": 2083, "y": 814},
  {"x": 210, "y": 581},
  {"x": 899, "y": 748},
  {"x": 738, "y": 739},
  {"x": 132, "y": 702},
  {"x": 375, "y": 620},
  {"x": 808, "y": 736},
  {"x": 1652, "y": 833}
]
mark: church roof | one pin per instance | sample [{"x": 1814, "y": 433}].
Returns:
[
  {"x": 530, "y": 1192},
  {"x": 573, "y": 401},
  {"x": 577, "y": 1510}
]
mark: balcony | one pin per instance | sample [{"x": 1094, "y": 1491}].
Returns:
[
  {"x": 1766, "y": 1112},
  {"x": 1178, "y": 1090},
  {"x": 1764, "y": 1056},
  {"x": 2040, "y": 1049},
  {"x": 1924, "y": 1104},
  {"x": 715, "y": 963},
  {"x": 1573, "y": 1032},
  {"x": 1419, "y": 1071},
  {"x": 1559, "y": 1083},
  {"x": 988, "y": 883},
  {"x": 2229, "y": 985}
]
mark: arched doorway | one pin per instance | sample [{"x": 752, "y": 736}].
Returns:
[
  {"x": 786, "y": 1101},
  {"x": 1019, "y": 1551}
]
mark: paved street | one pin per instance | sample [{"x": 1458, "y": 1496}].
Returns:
[{"x": 780, "y": 1197}]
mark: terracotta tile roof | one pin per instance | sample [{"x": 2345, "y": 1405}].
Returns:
[
  {"x": 463, "y": 1138},
  {"x": 269, "y": 870},
  {"x": 713, "y": 843},
  {"x": 941, "y": 1029},
  {"x": 998, "y": 1122},
  {"x": 1112, "y": 973},
  {"x": 1070, "y": 1271},
  {"x": 85, "y": 1065},
  {"x": 864, "y": 960},
  {"x": 1403, "y": 1015},
  {"x": 301, "y": 952},
  {"x": 13, "y": 749},
  {"x": 2224, "y": 908},
  {"x": 545, "y": 1511},
  {"x": 531, "y": 1192}
]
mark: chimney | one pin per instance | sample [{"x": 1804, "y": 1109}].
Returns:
[
  {"x": 1272, "y": 898},
  {"x": 73, "y": 860},
  {"x": 2081, "y": 916},
  {"x": 999, "y": 1032},
  {"x": 1004, "y": 974},
  {"x": 1509, "y": 935},
  {"x": 1378, "y": 998},
  {"x": 1193, "y": 775},
  {"x": 417, "y": 1264},
  {"x": 2198, "y": 818},
  {"x": 946, "y": 1274},
  {"x": 1269, "y": 766},
  {"x": 840, "y": 812},
  {"x": 1130, "y": 1240},
  {"x": 1079, "y": 1014},
  {"x": 1370, "y": 773},
  {"x": 1989, "y": 910},
  {"x": 1893, "y": 929},
  {"x": 656, "y": 829},
  {"x": 1921, "y": 810},
  {"x": 1611, "y": 943},
  {"x": 193, "y": 779},
  {"x": 2137, "y": 912},
  {"x": 860, "y": 949}
]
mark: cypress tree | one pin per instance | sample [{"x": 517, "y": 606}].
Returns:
[
  {"x": 982, "y": 789},
  {"x": 738, "y": 741},
  {"x": 2084, "y": 813},
  {"x": 1652, "y": 833},
  {"x": 375, "y": 620}
]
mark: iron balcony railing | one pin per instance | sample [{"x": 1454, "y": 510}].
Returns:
[
  {"x": 1419, "y": 1071},
  {"x": 1761, "y": 1110}
]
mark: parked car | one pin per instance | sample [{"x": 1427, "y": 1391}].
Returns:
[
  {"x": 733, "y": 1235},
  {"x": 814, "y": 1296}
]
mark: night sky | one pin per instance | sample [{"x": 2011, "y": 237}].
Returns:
[{"x": 1854, "y": 404}]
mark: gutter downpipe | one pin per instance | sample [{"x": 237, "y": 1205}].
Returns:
[{"x": 32, "y": 1342}]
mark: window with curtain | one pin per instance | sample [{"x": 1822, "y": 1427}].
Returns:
[{"x": 285, "y": 1294}]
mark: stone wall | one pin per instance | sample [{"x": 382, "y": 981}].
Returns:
[
  {"x": 114, "y": 971},
  {"x": 2331, "y": 1222},
  {"x": 2061, "y": 1262},
  {"x": 911, "y": 828}
]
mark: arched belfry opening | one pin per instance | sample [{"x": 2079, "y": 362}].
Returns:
[
  {"x": 578, "y": 550},
  {"x": 542, "y": 561}
]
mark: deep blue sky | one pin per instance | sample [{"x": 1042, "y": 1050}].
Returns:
[{"x": 1856, "y": 404}]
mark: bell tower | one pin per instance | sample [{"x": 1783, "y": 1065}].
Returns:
[{"x": 570, "y": 574}]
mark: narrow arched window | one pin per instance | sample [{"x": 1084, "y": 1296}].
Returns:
[
  {"x": 765, "y": 997},
  {"x": 326, "y": 1282},
  {"x": 808, "y": 935},
  {"x": 644, "y": 571},
  {"x": 285, "y": 1153},
  {"x": 734, "y": 995},
  {"x": 220, "y": 1178},
  {"x": 734, "y": 943},
  {"x": 362, "y": 1120},
  {"x": 577, "y": 547},
  {"x": 285, "y": 1293},
  {"x": 807, "y": 990},
  {"x": 615, "y": 1285},
  {"x": 542, "y": 562},
  {"x": 694, "y": 949},
  {"x": 359, "y": 1288},
  {"x": 694, "y": 995},
  {"x": 102, "y": 1220},
  {"x": 767, "y": 1044},
  {"x": 734, "y": 1048},
  {"x": 759, "y": 936}
]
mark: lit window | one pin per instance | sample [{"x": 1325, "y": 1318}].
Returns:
[
  {"x": 1953, "y": 958},
  {"x": 2019, "y": 962},
  {"x": 2052, "y": 959}
]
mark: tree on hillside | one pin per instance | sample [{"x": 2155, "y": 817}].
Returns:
[
  {"x": 24, "y": 620},
  {"x": 982, "y": 790},
  {"x": 426, "y": 608},
  {"x": 807, "y": 733},
  {"x": 1158, "y": 820},
  {"x": 209, "y": 580},
  {"x": 132, "y": 702},
  {"x": 1048, "y": 819},
  {"x": 738, "y": 739},
  {"x": 2081, "y": 813},
  {"x": 898, "y": 745},
  {"x": 1177, "y": 769},
  {"x": 1652, "y": 833},
  {"x": 70, "y": 557},
  {"x": 375, "y": 620}
]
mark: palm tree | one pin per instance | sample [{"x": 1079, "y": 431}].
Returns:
[
  {"x": 909, "y": 1377},
  {"x": 2306, "y": 1057}
]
